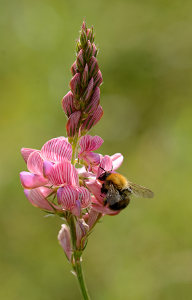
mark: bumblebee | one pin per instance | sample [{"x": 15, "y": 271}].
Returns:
[{"x": 118, "y": 189}]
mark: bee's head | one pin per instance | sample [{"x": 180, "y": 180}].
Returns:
[{"x": 104, "y": 175}]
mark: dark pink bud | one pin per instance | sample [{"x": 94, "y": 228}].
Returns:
[
  {"x": 75, "y": 84},
  {"x": 84, "y": 27},
  {"x": 64, "y": 238},
  {"x": 93, "y": 66},
  {"x": 94, "y": 50},
  {"x": 90, "y": 35},
  {"x": 83, "y": 38},
  {"x": 94, "y": 102},
  {"x": 74, "y": 68},
  {"x": 93, "y": 119},
  {"x": 73, "y": 124},
  {"x": 98, "y": 79},
  {"x": 80, "y": 60},
  {"x": 85, "y": 76},
  {"x": 89, "y": 90},
  {"x": 88, "y": 51},
  {"x": 68, "y": 104}
]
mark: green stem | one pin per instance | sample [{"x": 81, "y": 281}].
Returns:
[
  {"x": 74, "y": 148},
  {"x": 76, "y": 260}
]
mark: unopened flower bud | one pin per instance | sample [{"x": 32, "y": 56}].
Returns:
[
  {"x": 84, "y": 27},
  {"x": 89, "y": 90},
  {"x": 80, "y": 61},
  {"x": 88, "y": 51},
  {"x": 90, "y": 35},
  {"x": 75, "y": 85},
  {"x": 98, "y": 79},
  {"x": 73, "y": 123},
  {"x": 93, "y": 66},
  {"x": 85, "y": 76},
  {"x": 74, "y": 68},
  {"x": 83, "y": 38},
  {"x": 67, "y": 104},
  {"x": 94, "y": 102},
  {"x": 81, "y": 230},
  {"x": 92, "y": 120},
  {"x": 94, "y": 51},
  {"x": 64, "y": 238}
]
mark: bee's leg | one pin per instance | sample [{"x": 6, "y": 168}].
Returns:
[{"x": 103, "y": 189}]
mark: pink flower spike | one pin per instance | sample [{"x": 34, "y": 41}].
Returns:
[
  {"x": 89, "y": 90},
  {"x": 63, "y": 173},
  {"x": 106, "y": 164},
  {"x": 90, "y": 143},
  {"x": 72, "y": 126},
  {"x": 75, "y": 84},
  {"x": 117, "y": 160},
  {"x": 57, "y": 150},
  {"x": 98, "y": 79},
  {"x": 94, "y": 102},
  {"x": 67, "y": 104},
  {"x": 35, "y": 163},
  {"x": 37, "y": 199},
  {"x": 93, "y": 119},
  {"x": 64, "y": 238},
  {"x": 25, "y": 152},
  {"x": 31, "y": 181}
]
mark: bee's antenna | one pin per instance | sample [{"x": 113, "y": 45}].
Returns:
[{"x": 102, "y": 168}]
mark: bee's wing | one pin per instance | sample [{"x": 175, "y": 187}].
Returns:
[
  {"x": 113, "y": 195},
  {"x": 139, "y": 190}
]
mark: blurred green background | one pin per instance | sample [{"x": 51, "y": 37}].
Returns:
[{"x": 146, "y": 59}]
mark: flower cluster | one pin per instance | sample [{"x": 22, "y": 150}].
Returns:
[{"x": 54, "y": 183}]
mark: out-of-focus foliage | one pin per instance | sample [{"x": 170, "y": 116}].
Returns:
[{"x": 145, "y": 56}]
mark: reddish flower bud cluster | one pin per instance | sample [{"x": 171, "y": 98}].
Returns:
[{"x": 82, "y": 103}]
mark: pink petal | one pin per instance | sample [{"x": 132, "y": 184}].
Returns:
[
  {"x": 104, "y": 210},
  {"x": 67, "y": 104},
  {"x": 47, "y": 168},
  {"x": 94, "y": 101},
  {"x": 37, "y": 199},
  {"x": 30, "y": 181},
  {"x": 92, "y": 218},
  {"x": 68, "y": 195},
  {"x": 95, "y": 188},
  {"x": 117, "y": 160},
  {"x": 90, "y": 143},
  {"x": 35, "y": 163},
  {"x": 25, "y": 152},
  {"x": 64, "y": 238},
  {"x": 92, "y": 158},
  {"x": 105, "y": 165},
  {"x": 63, "y": 173},
  {"x": 73, "y": 123},
  {"x": 93, "y": 119},
  {"x": 57, "y": 150}
]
